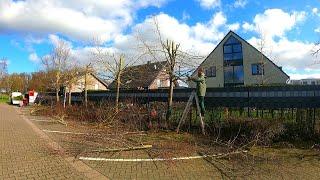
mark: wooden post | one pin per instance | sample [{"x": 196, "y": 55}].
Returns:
[{"x": 190, "y": 118}]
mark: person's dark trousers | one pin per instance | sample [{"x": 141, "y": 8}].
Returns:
[{"x": 201, "y": 104}]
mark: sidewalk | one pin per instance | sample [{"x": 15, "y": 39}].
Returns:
[{"x": 27, "y": 154}]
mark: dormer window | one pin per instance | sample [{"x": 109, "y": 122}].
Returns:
[
  {"x": 232, "y": 50},
  {"x": 233, "y": 62}
]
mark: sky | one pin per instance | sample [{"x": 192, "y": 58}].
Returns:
[{"x": 29, "y": 29}]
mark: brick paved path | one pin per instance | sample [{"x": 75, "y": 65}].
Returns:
[{"x": 25, "y": 154}]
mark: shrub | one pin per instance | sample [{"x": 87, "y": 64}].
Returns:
[{"x": 18, "y": 98}]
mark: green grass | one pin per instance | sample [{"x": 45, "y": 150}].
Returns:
[{"x": 4, "y": 98}]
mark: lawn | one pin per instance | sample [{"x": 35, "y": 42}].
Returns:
[{"x": 4, "y": 98}]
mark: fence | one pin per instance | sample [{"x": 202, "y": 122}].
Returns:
[
  {"x": 299, "y": 105},
  {"x": 254, "y": 97}
]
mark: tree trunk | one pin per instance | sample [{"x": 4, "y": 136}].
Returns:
[
  {"x": 117, "y": 94},
  {"x": 169, "y": 108},
  {"x": 57, "y": 86},
  {"x": 85, "y": 89},
  {"x": 118, "y": 83},
  {"x": 69, "y": 96},
  {"x": 57, "y": 95}
]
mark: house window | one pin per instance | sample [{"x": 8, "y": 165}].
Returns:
[
  {"x": 233, "y": 62},
  {"x": 313, "y": 83},
  {"x": 211, "y": 71},
  {"x": 257, "y": 69},
  {"x": 233, "y": 75},
  {"x": 232, "y": 50}
]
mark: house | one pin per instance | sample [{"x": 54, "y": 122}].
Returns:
[
  {"x": 93, "y": 83},
  {"x": 310, "y": 81},
  {"x": 235, "y": 62},
  {"x": 145, "y": 76}
]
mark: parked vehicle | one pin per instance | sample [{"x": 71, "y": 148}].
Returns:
[
  {"x": 32, "y": 95},
  {"x": 16, "y": 98}
]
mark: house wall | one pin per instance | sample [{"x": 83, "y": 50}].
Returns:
[
  {"x": 93, "y": 84},
  {"x": 272, "y": 74},
  {"x": 163, "y": 77}
]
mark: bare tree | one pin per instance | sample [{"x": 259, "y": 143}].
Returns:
[
  {"x": 88, "y": 69},
  {"x": 3, "y": 74},
  {"x": 262, "y": 45},
  {"x": 113, "y": 65},
  {"x": 171, "y": 52},
  {"x": 316, "y": 50},
  {"x": 3, "y": 67},
  {"x": 56, "y": 63},
  {"x": 72, "y": 76}
]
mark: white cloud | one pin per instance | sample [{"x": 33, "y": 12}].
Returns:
[
  {"x": 274, "y": 22},
  {"x": 315, "y": 11},
  {"x": 199, "y": 39},
  {"x": 299, "y": 76},
  {"x": 78, "y": 20},
  {"x": 209, "y": 4},
  {"x": 248, "y": 27},
  {"x": 317, "y": 30},
  {"x": 234, "y": 26},
  {"x": 219, "y": 19},
  {"x": 185, "y": 16},
  {"x": 240, "y": 3},
  {"x": 295, "y": 55},
  {"x": 34, "y": 57}
]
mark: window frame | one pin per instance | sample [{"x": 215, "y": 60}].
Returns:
[
  {"x": 232, "y": 46},
  {"x": 233, "y": 78},
  {"x": 211, "y": 71},
  {"x": 232, "y": 60},
  {"x": 259, "y": 67}
]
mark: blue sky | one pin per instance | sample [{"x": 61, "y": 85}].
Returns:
[{"x": 30, "y": 28}]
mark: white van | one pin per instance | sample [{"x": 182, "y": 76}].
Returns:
[{"x": 16, "y": 98}]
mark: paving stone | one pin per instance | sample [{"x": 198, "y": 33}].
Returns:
[{"x": 24, "y": 155}]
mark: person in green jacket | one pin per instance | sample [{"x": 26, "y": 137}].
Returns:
[{"x": 201, "y": 88}]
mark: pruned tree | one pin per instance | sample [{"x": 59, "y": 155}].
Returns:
[
  {"x": 72, "y": 76},
  {"x": 171, "y": 52},
  {"x": 112, "y": 66},
  {"x": 88, "y": 69},
  {"x": 56, "y": 63}
]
